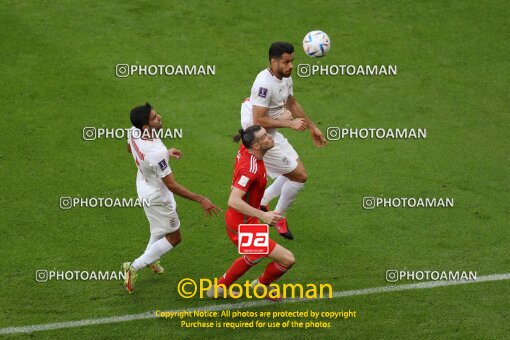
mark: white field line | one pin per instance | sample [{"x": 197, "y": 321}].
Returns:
[{"x": 247, "y": 304}]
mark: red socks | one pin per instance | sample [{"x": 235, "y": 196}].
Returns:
[
  {"x": 240, "y": 266},
  {"x": 272, "y": 273},
  {"x": 236, "y": 270}
]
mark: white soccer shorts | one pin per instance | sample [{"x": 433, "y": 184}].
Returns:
[
  {"x": 282, "y": 158},
  {"x": 162, "y": 218}
]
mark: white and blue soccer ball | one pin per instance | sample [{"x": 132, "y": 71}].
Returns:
[{"x": 316, "y": 44}]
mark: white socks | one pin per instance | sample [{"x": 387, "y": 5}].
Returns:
[
  {"x": 273, "y": 190},
  {"x": 154, "y": 253},
  {"x": 153, "y": 239},
  {"x": 286, "y": 189},
  {"x": 289, "y": 192}
]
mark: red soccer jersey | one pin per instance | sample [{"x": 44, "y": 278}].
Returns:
[{"x": 250, "y": 177}]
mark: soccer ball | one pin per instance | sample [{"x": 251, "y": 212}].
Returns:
[{"x": 316, "y": 44}]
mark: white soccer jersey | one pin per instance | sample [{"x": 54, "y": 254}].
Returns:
[
  {"x": 267, "y": 91},
  {"x": 151, "y": 158}
]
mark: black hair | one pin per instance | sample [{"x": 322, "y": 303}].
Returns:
[
  {"x": 247, "y": 136},
  {"x": 140, "y": 115},
  {"x": 277, "y": 49}
]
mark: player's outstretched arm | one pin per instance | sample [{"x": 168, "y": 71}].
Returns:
[
  {"x": 235, "y": 201},
  {"x": 297, "y": 111},
  {"x": 260, "y": 119},
  {"x": 172, "y": 185}
]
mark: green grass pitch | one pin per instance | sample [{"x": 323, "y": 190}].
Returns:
[{"x": 57, "y": 77}]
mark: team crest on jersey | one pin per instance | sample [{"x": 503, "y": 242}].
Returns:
[
  {"x": 163, "y": 165},
  {"x": 262, "y": 92}
]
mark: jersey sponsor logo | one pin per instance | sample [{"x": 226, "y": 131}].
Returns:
[
  {"x": 163, "y": 165},
  {"x": 262, "y": 92},
  {"x": 243, "y": 181},
  {"x": 253, "y": 239}
]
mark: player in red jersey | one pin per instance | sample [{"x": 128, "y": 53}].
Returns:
[{"x": 248, "y": 186}]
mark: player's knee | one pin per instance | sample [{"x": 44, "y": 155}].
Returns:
[
  {"x": 288, "y": 260},
  {"x": 174, "y": 238},
  {"x": 302, "y": 176},
  {"x": 299, "y": 176},
  {"x": 177, "y": 240}
]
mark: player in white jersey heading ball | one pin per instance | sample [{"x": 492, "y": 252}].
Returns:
[
  {"x": 156, "y": 183},
  {"x": 272, "y": 105}
]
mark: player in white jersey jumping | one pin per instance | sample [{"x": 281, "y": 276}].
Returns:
[
  {"x": 155, "y": 182},
  {"x": 272, "y": 105}
]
